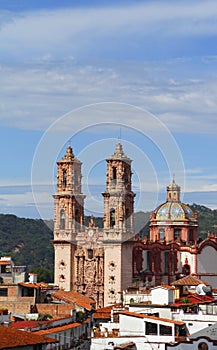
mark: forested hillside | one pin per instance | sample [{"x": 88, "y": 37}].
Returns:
[{"x": 29, "y": 241}]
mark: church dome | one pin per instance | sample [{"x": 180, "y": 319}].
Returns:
[
  {"x": 173, "y": 220},
  {"x": 173, "y": 209}
]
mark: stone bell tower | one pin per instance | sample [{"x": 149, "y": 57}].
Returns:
[
  {"x": 118, "y": 225},
  {"x": 68, "y": 217}
]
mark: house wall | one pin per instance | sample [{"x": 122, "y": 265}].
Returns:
[
  {"x": 17, "y": 306},
  {"x": 163, "y": 312},
  {"x": 195, "y": 322},
  {"x": 126, "y": 328},
  {"x": 112, "y": 269},
  {"x": 131, "y": 298},
  {"x": 140, "y": 343},
  {"x": 194, "y": 345},
  {"x": 55, "y": 310},
  {"x": 71, "y": 337},
  {"x": 206, "y": 263},
  {"x": 160, "y": 296}
]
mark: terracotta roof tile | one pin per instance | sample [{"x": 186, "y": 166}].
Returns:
[
  {"x": 58, "y": 329},
  {"x": 29, "y": 285},
  {"x": 74, "y": 298},
  {"x": 125, "y": 346},
  {"x": 189, "y": 281},
  {"x": 5, "y": 262},
  {"x": 165, "y": 287},
  {"x": 105, "y": 312},
  {"x": 195, "y": 299},
  {"x": 102, "y": 315},
  {"x": 11, "y": 337},
  {"x": 27, "y": 324},
  {"x": 134, "y": 314}
]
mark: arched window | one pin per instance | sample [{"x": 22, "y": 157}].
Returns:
[
  {"x": 177, "y": 233},
  {"x": 112, "y": 218},
  {"x": 191, "y": 236},
  {"x": 114, "y": 174},
  {"x": 162, "y": 233},
  {"x": 186, "y": 270},
  {"x": 90, "y": 253},
  {"x": 64, "y": 178},
  {"x": 62, "y": 219}
]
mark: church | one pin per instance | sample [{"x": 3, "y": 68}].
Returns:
[{"x": 103, "y": 263}]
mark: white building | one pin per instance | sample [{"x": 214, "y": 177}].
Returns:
[{"x": 143, "y": 330}]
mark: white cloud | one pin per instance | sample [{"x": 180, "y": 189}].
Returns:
[
  {"x": 81, "y": 32},
  {"x": 32, "y": 98}
]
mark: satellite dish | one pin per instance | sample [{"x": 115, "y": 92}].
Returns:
[
  {"x": 200, "y": 290},
  {"x": 207, "y": 290}
]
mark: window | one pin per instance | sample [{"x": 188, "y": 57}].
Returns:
[
  {"x": 64, "y": 178},
  {"x": 62, "y": 264},
  {"x": 177, "y": 232},
  {"x": 186, "y": 270},
  {"x": 162, "y": 234},
  {"x": 3, "y": 292},
  {"x": 151, "y": 328},
  {"x": 111, "y": 265},
  {"x": 62, "y": 278},
  {"x": 114, "y": 175},
  {"x": 166, "y": 254},
  {"x": 112, "y": 218},
  {"x": 111, "y": 279},
  {"x": 90, "y": 253},
  {"x": 202, "y": 346},
  {"x": 149, "y": 260},
  {"x": 191, "y": 236},
  {"x": 62, "y": 219},
  {"x": 165, "y": 330}
]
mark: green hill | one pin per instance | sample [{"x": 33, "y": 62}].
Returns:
[{"x": 29, "y": 241}]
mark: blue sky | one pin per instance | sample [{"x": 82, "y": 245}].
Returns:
[{"x": 83, "y": 70}]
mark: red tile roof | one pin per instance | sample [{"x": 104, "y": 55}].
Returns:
[
  {"x": 125, "y": 346},
  {"x": 13, "y": 338},
  {"x": 5, "y": 262},
  {"x": 189, "y": 281},
  {"x": 103, "y": 312},
  {"x": 27, "y": 324},
  {"x": 74, "y": 298},
  {"x": 134, "y": 314},
  {"x": 164, "y": 286},
  {"x": 58, "y": 329},
  {"x": 194, "y": 299},
  {"x": 29, "y": 285}
]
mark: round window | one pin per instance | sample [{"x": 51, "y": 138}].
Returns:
[{"x": 202, "y": 346}]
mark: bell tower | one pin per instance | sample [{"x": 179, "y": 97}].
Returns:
[
  {"x": 118, "y": 225},
  {"x": 68, "y": 217}
]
